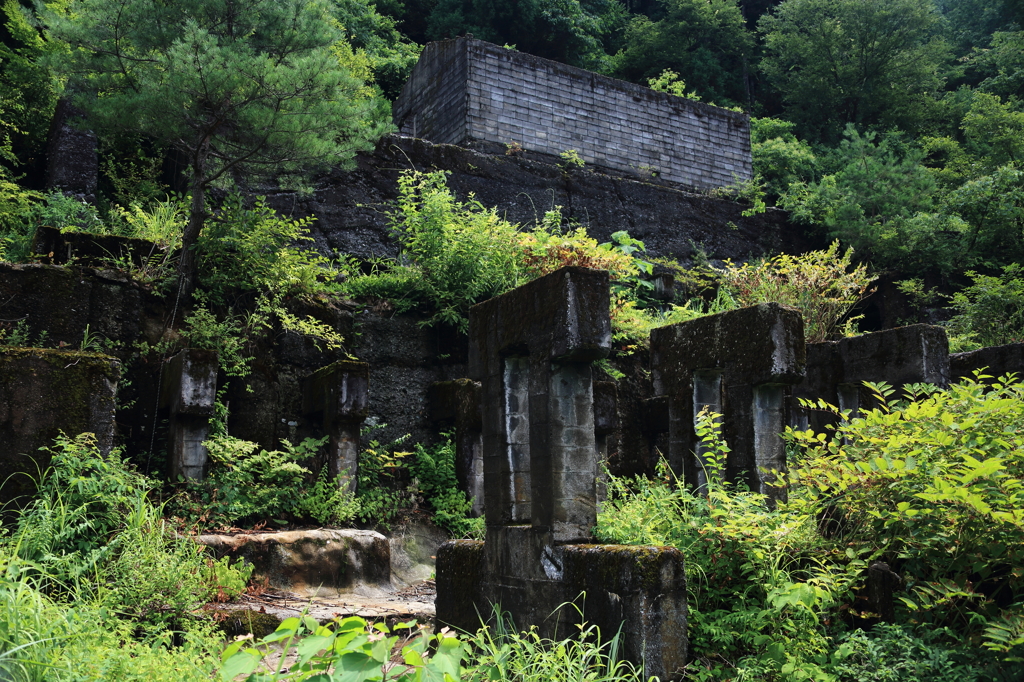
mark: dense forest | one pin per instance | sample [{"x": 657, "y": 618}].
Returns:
[{"x": 895, "y": 126}]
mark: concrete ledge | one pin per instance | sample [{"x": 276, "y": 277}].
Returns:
[
  {"x": 994, "y": 360},
  {"x": 313, "y": 562}
]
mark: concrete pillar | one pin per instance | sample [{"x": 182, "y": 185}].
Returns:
[
  {"x": 456, "y": 404},
  {"x": 189, "y": 391},
  {"x": 337, "y": 394},
  {"x": 740, "y": 364},
  {"x": 545, "y": 424}
]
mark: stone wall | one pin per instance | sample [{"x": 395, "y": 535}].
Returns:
[
  {"x": 464, "y": 91},
  {"x": 352, "y": 208}
]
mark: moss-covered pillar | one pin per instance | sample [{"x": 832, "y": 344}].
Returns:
[
  {"x": 338, "y": 395},
  {"x": 189, "y": 391},
  {"x": 44, "y": 393}
]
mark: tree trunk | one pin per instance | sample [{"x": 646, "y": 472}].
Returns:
[{"x": 188, "y": 267}]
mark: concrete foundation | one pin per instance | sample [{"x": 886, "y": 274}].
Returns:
[
  {"x": 189, "y": 392},
  {"x": 337, "y": 394}
]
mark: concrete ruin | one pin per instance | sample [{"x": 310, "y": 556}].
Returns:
[
  {"x": 995, "y": 362},
  {"x": 337, "y": 395},
  {"x": 532, "y": 351},
  {"x": 189, "y": 393},
  {"x": 44, "y": 393},
  {"x": 476, "y": 94},
  {"x": 837, "y": 370},
  {"x": 740, "y": 364},
  {"x": 456, "y": 405}
]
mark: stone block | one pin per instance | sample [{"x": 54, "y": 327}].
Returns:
[
  {"x": 995, "y": 361},
  {"x": 640, "y": 589},
  {"x": 44, "y": 393},
  {"x": 837, "y": 370},
  {"x": 312, "y": 563}
]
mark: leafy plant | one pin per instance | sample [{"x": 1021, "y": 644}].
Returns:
[
  {"x": 570, "y": 160},
  {"x": 247, "y": 482},
  {"x": 502, "y": 653},
  {"x": 329, "y": 501},
  {"x": 454, "y": 253},
  {"x": 434, "y": 472},
  {"x": 823, "y": 285},
  {"x": 352, "y": 649},
  {"x": 989, "y": 312},
  {"x": 933, "y": 486}
]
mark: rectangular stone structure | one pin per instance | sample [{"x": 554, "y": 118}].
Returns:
[
  {"x": 837, "y": 370},
  {"x": 44, "y": 392},
  {"x": 994, "y": 361},
  {"x": 457, "y": 404},
  {"x": 188, "y": 389},
  {"x": 532, "y": 349},
  {"x": 338, "y": 394},
  {"x": 472, "y": 93},
  {"x": 739, "y": 364}
]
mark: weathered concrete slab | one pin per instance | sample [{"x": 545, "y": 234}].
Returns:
[
  {"x": 44, "y": 393},
  {"x": 837, "y": 370},
  {"x": 313, "y": 562},
  {"x": 994, "y": 360}
]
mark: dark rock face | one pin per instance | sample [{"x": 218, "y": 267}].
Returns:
[
  {"x": 352, "y": 207},
  {"x": 46, "y": 392},
  {"x": 738, "y": 364},
  {"x": 995, "y": 361}
]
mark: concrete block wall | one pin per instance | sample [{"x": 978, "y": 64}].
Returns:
[{"x": 465, "y": 91}]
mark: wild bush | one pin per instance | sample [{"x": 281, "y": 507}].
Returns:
[
  {"x": 454, "y": 253},
  {"x": 823, "y": 285},
  {"x": 934, "y": 486},
  {"x": 990, "y": 311},
  {"x": 92, "y": 534}
]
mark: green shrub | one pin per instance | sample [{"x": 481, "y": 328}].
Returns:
[
  {"x": 823, "y": 285},
  {"x": 935, "y": 487},
  {"x": 92, "y": 535},
  {"x": 894, "y": 653},
  {"x": 454, "y": 253},
  {"x": 989, "y": 312},
  {"x": 434, "y": 470}
]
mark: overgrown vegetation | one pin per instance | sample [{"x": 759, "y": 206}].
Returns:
[{"x": 926, "y": 486}]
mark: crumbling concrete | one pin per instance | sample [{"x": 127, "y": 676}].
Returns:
[
  {"x": 740, "y": 364},
  {"x": 994, "y": 361},
  {"x": 532, "y": 350},
  {"x": 337, "y": 393},
  {"x": 837, "y": 370},
  {"x": 312, "y": 562},
  {"x": 44, "y": 393},
  {"x": 189, "y": 393}
]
